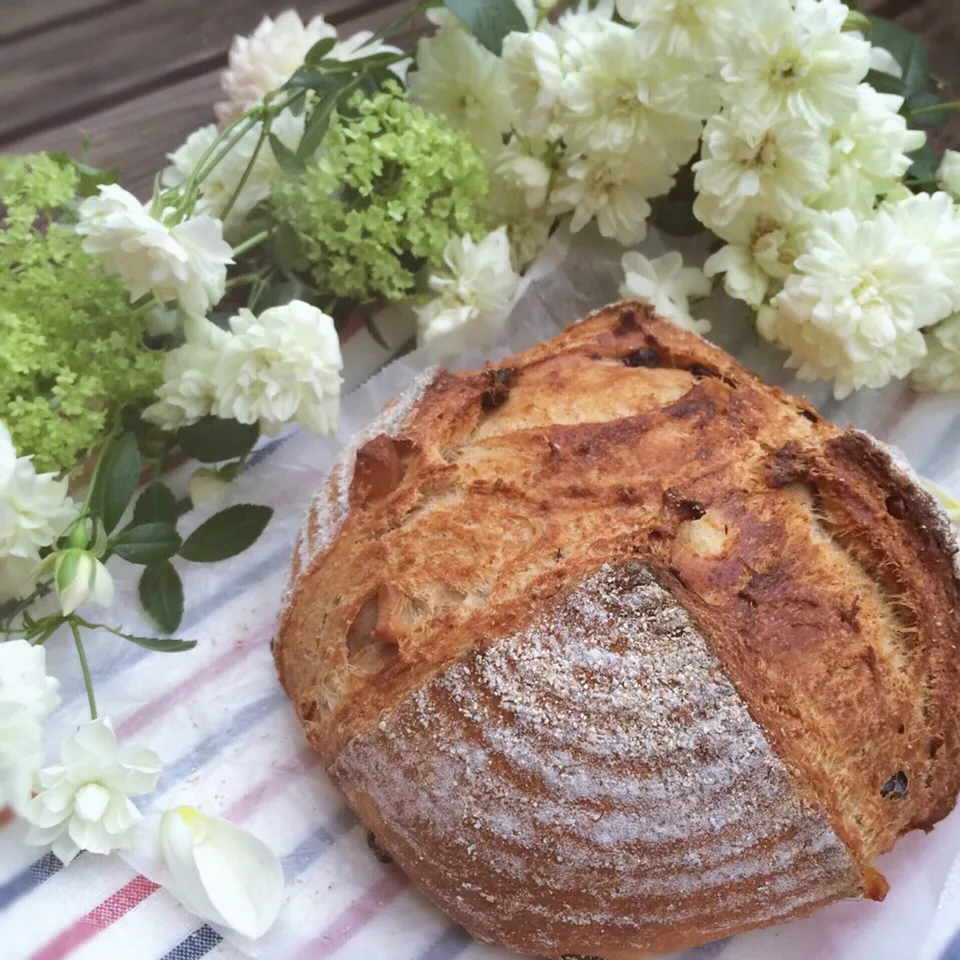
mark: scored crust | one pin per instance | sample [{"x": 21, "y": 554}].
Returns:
[{"x": 619, "y": 650}]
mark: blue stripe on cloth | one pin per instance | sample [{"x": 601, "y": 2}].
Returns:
[
  {"x": 205, "y": 938},
  {"x": 205, "y": 751},
  {"x": 707, "y": 950},
  {"x": 198, "y": 944},
  {"x": 451, "y": 943},
  {"x": 25, "y": 881}
]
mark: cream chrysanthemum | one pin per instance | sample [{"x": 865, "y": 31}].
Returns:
[
  {"x": 854, "y": 309},
  {"x": 748, "y": 170},
  {"x": 611, "y": 189},
  {"x": 948, "y": 173},
  {"x": 869, "y": 153},
  {"x": 467, "y": 84},
  {"x": 795, "y": 61},
  {"x": 616, "y": 100},
  {"x": 535, "y": 69},
  {"x": 473, "y": 292},
  {"x": 265, "y": 60},
  {"x": 940, "y": 369},
  {"x": 695, "y": 30}
]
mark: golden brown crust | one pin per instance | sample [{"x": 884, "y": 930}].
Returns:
[{"x": 818, "y": 572}]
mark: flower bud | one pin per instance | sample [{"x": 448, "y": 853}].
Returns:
[
  {"x": 205, "y": 484},
  {"x": 80, "y": 578}
]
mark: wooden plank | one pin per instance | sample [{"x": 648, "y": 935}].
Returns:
[
  {"x": 21, "y": 18},
  {"x": 79, "y": 68},
  {"x": 136, "y": 135}
]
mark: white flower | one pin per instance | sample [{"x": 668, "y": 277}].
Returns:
[
  {"x": 35, "y": 509},
  {"x": 27, "y": 697},
  {"x": 221, "y": 872},
  {"x": 187, "y": 392},
  {"x": 268, "y": 58},
  {"x": 744, "y": 278},
  {"x": 694, "y": 29},
  {"x": 940, "y": 368},
  {"x": 853, "y": 310},
  {"x": 930, "y": 222},
  {"x": 283, "y": 365},
  {"x": 869, "y": 151},
  {"x": 751, "y": 169},
  {"x": 948, "y": 173},
  {"x": 884, "y": 61},
  {"x": 616, "y": 99},
  {"x": 83, "y": 803},
  {"x": 473, "y": 293},
  {"x": 466, "y": 83},
  {"x": 520, "y": 167},
  {"x": 611, "y": 189},
  {"x": 796, "y": 62},
  {"x": 222, "y": 182},
  {"x": 528, "y": 230},
  {"x": 667, "y": 285},
  {"x": 186, "y": 262},
  {"x": 81, "y": 578},
  {"x": 533, "y": 62}
]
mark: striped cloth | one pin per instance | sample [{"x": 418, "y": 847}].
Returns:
[{"x": 231, "y": 744}]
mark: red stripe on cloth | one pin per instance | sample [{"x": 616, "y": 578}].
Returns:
[
  {"x": 6, "y": 816},
  {"x": 98, "y": 919},
  {"x": 155, "y": 708},
  {"x": 356, "y": 916}
]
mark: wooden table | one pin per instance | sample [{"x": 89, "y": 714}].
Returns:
[{"x": 136, "y": 76}]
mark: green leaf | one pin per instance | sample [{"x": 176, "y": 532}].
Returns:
[
  {"x": 116, "y": 480},
  {"x": 929, "y": 118},
  {"x": 212, "y": 440},
  {"x": 147, "y": 543},
  {"x": 161, "y": 593},
  {"x": 286, "y": 247},
  {"x": 283, "y": 293},
  {"x": 161, "y": 644},
  {"x": 326, "y": 82},
  {"x": 884, "y": 83},
  {"x": 287, "y": 160},
  {"x": 91, "y": 179},
  {"x": 924, "y": 166},
  {"x": 489, "y": 20},
  {"x": 156, "y": 504},
  {"x": 318, "y": 123},
  {"x": 319, "y": 50},
  {"x": 908, "y": 50},
  {"x": 226, "y": 533}
]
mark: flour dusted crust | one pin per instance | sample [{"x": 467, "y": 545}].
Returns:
[{"x": 618, "y": 650}]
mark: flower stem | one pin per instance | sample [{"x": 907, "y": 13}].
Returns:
[
  {"x": 250, "y": 243},
  {"x": 264, "y": 133},
  {"x": 84, "y": 666},
  {"x": 933, "y": 108}
]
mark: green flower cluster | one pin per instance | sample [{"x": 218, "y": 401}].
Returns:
[
  {"x": 71, "y": 348},
  {"x": 390, "y": 187}
]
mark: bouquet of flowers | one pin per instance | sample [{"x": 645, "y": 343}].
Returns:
[{"x": 344, "y": 174}]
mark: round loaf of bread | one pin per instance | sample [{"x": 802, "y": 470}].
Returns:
[{"x": 618, "y": 650}]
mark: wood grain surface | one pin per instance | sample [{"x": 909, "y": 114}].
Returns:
[{"x": 136, "y": 76}]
